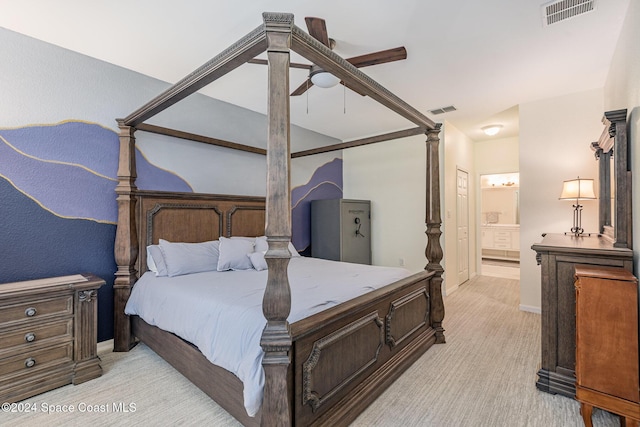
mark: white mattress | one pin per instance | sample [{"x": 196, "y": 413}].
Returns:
[{"x": 221, "y": 312}]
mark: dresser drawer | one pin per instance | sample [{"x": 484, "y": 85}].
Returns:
[
  {"x": 32, "y": 360},
  {"x": 21, "y": 340},
  {"x": 42, "y": 308},
  {"x": 502, "y": 245}
]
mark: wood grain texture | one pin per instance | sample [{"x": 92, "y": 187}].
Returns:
[
  {"x": 559, "y": 255},
  {"x": 48, "y": 335},
  {"x": 607, "y": 367},
  {"x": 126, "y": 243},
  {"x": 434, "y": 252},
  {"x": 622, "y": 171},
  {"x": 276, "y": 305}
]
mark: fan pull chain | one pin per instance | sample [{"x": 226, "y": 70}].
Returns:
[{"x": 344, "y": 99}]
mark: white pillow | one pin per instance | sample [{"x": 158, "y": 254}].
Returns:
[
  {"x": 155, "y": 260},
  {"x": 261, "y": 244},
  {"x": 258, "y": 261},
  {"x": 151, "y": 265},
  {"x": 185, "y": 258},
  {"x": 233, "y": 254}
]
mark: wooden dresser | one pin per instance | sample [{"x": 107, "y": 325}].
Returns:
[
  {"x": 607, "y": 366},
  {"x": 558, "y": 254},
  {"x": 48, "y": 334}
]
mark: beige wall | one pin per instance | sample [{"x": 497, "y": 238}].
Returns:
[
  {"x": 497, "y": 156},
  {"x": 458, "y": 154},
  {"x": 554, "y": 146},
  {"x": 622, "y": 90},
  {"x": 392, "y": 175}
]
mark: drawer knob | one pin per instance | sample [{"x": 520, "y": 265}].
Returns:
[
  {"x": 30, "y": 337},
  {"x": 30, "y": 362},
  {"x": 30, "y": 312}
]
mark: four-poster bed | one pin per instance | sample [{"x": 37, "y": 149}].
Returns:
[{"x": 322, "y": 369}]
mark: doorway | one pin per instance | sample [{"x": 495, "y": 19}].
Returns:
[{"x": 500, "y": 225}]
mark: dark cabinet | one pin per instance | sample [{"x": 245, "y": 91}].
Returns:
[{"x": 558, "y": 255}]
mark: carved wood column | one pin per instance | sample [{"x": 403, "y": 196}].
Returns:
[
  {"x": 622, "y": 216},
  {"x": 276, "y": 305},
  {"x": 126, "y": 245},
  {"x": 85, "y": 325},
  {"x": 433, "y": 221}
]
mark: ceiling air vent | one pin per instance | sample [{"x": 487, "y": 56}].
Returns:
[
  {"x": 562, "y": 10},
  {"x": 443, "y": 110}
]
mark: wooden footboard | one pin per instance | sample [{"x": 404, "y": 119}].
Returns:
[
  {"x": 342, "y": 358},
  {"x": 345, "y": 357}
]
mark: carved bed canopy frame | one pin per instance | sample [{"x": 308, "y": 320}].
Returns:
[{"x": 277, "y": 36}]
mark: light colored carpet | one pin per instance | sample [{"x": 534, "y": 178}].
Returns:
[{"x": 483, "y": 376}]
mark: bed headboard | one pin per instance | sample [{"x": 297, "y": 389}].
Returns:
[{"x": 194, "y": 217}]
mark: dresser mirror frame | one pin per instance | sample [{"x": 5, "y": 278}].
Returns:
[{"x": 612, "y": 154}]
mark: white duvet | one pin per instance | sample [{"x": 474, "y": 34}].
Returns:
[{"x": 221, "y": 312}]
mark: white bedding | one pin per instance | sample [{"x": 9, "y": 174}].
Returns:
[{"x": 221, "y": 312}]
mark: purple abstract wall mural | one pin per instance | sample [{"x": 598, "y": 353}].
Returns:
[
  {"x": 70, "y": 168},
  {"x": 58, "y": 209},
  {"x": 325, "y": 183}
]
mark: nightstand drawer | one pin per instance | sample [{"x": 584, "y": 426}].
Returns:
[
  {"x": 32, "y": 360},
  {"x": 48, "y": 334},
  {"x": 20, "y": 340},
  {"x": 37, "y": 309}
]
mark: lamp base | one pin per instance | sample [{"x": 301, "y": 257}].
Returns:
[{"x": 581, "y": 234}]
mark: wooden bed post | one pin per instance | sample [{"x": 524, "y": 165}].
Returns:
[
  {"x": 276, "y": 305},
  {"x": 126, "y": 244},
  {"x": 434, "y": 221}
]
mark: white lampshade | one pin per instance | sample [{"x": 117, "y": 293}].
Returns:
[
  {"x": 491, "y": 129},
  {"x": 324, "y": 79},
  {"x": 577, "y": 189}
]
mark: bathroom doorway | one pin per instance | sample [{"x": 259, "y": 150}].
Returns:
[{"x": 500, "y": 224}]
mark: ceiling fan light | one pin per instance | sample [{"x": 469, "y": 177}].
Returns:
[
  {"x": 324, "y": 79},
  {"x": 491, "y": 129}
]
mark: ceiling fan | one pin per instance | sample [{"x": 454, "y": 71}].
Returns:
[{"x": 317, "y": 76}]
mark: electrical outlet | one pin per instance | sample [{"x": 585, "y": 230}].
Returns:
[{"x": 401, "y": 262}]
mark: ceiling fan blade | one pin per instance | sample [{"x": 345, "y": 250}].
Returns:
[
  {"x": 302, "y": 88},
  {"x": 389, "y": 55},
  {"x": 318, "y": 30},
  {"x": 292, "y": 64}
]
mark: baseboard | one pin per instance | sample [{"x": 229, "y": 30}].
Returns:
[
  {"x": 448, "y": 291},
  {"x": 105, "y": 347},
  {"x": 530, "y": 309}
]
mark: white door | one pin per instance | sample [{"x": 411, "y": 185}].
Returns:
[{"x": 462, "y": 207}]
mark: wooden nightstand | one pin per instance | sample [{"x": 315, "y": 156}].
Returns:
[{"x": 48, "y": 334}]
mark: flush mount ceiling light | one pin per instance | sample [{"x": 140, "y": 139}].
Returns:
[
  {"x": 322, "y": 78},
  {"x": 491, "y": 129}
]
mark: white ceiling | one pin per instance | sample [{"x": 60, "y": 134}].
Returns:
[{"x": 483, "y": 57}]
